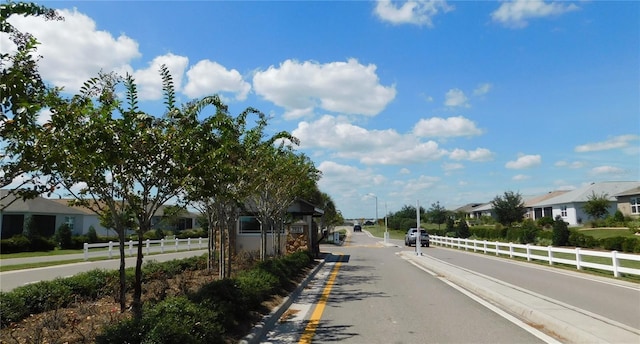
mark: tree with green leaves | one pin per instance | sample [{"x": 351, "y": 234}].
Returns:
[
  {"x": 83, "y": 144},
  {"x": 560, "y": 232},
  {"x": 597, "y": 206},
  {"x": 509, "y": 208},
  {"x": 437, "y": 214},
  {"x": 462, "y": 229},
  {"x": 22, "y": 96}
]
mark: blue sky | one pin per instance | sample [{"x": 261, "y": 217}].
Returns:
[{"x": 418, "y": 101}]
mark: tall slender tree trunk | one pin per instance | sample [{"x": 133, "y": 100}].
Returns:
[
  {"x": 122, "y": 274},
  {"x": 136, "y": 305}
]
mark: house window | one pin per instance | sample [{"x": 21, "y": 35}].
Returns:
[
  {"x": 250, "y": 225},
  {"x": 563, "y": 211},
  {"x": 69, "y": 221},
  {"x": 635, "y": 205}
]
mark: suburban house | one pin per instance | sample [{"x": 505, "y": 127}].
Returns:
[
  {"x": 534, "y": 212},
  {"x": 469, "y": 210},
  {"x": 629, "y": 202},
  {"x": 569, "y": 205},
  {"x": 49, "y": 214}
]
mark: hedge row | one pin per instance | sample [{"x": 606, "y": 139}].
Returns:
[
  {"x": 214, "y": 312},
  {"x": 91, "y": 285}
]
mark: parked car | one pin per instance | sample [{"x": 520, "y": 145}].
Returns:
[
  {"x": 410, "y": 237},
  {"x": 357, "y": 228}
]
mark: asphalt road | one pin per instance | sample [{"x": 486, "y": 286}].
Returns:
[{"x": 377, "y": 297}]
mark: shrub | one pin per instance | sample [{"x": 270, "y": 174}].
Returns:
[
  {"x": 257, "y": 285},
  {"x": 581, "y": 240},
  {"x": 126, "y": 331},
  {"x": 560, "y": 232},
  {"x": 226, "y": 299},
  {"x": 545, "y": 221},
  {"x": 631, "y": 245},
  {"x": 89, "y": 285},
  {"x": 618, "y": 217},
  {"x": 41, "y": 244},
  {"x": 15, "y": 244},
  {"x": 92, "y": 235},
  {"x": 43, "y": 296},
  {"x": 12, "y": 308},
  {"x": 77, "y": 242},
  {"x": 181, "y": 321},
  {"x": 612, "y": 243},
  {"x": 63, "y": 236}
]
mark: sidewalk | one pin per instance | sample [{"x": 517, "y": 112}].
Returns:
[{"x": 40, "y": 259}]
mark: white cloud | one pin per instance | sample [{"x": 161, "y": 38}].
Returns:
[
  {"x": 445, "y": 127},
  {"x": 573, "y": 164},
  {"x": 343, "y": 87},
  {"x": 449, "y": 167},
  {"x": 524, "y": 161},
  {"x": 422, "y": 183},
  {"x": 207, "y": 77},
  {"x": 405, "y": 170},
  {"x": 482, "y": 89},
  {"x": 607, "y": 170},
  {"x": 149, "y": 80},
  {"x": 345, "y": 178},
  {"x": 520, "y": 177},
  {"x": 75, "y": 50},
  {"x": 621, "y": 141},
  {"x": 456, "y": 98},
  {"x": 349, "y": 141},
  {"x": 416, "y": 12},
  {"x": 516, "y": 13},
  {"x": 477, "y": 155}
]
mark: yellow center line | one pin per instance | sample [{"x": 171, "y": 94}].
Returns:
[{"x": 314, "y": 321}]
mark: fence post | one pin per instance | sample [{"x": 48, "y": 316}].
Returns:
[
  {"x": 528, "y": 252},
  {"x": 189, "y": 244},
  {"x": 148, "y": 245},
  {"x": 86, "y": 251},
  {"x": 550, "y": 254},
  {"x": 578, "y": 259},
  {"x": 510, "y": 250},
  {"x": 616, "y": 263},
  {"x": 177, "y": 243},
  {"x": 199, "y": 243},
  {"x": 475, "y": 245},
  {"x": 497, "y": 248},
  {"x": 131, "y": 247},
  {"x": 110, "y": 249},
  {"x": 485, "y": 247},
  {"x": 162, "y": 245}
]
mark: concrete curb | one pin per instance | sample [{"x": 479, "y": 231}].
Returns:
[
  {"x": 551, "y": 315},
  {"x": 268, "y": 321}
]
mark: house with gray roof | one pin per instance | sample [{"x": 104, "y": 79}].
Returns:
[
  {"x": 629, "y": 202},
  {"x": 569, "y": 205}
]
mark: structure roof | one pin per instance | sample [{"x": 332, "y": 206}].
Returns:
[{"x": 582, "y": 194}]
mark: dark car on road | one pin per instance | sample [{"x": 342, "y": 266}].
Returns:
[
  {"x": 357, "y": 228},
  {"x": 410, "y": 237}
]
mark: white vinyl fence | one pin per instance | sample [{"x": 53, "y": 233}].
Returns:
[
  {"x": 150, "y": 246},
  {"x": 580, "y": 258}
]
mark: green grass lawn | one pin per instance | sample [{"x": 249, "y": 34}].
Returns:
[
  {"x": 600, "y": 233},
  {"x": 56, "y": 252}
]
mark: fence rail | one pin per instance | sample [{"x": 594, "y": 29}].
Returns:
[
  {"x": 155, "y": 246},
  {"x": 580, "y": 258}
]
